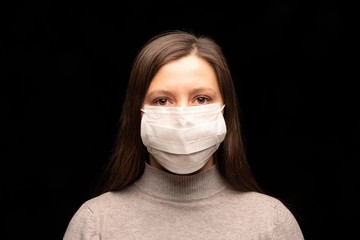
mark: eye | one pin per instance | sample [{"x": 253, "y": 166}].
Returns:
[
  {"x": 202, "y": 100},
  {"x": 161, "y": 101}
]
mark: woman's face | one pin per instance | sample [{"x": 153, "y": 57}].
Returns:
[{"x": 189, "y": 81}]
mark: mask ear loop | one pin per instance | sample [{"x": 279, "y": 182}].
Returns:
[{"x": 222, "y": 108}]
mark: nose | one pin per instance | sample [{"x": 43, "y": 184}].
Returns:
[{"x": 183, "y": 102}]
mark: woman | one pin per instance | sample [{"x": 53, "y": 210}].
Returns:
[{"x": 179, "y": 169}]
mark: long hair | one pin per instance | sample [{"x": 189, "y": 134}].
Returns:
[{"x": 128, "y": 159}]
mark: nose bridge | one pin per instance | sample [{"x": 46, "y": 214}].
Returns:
[
  {"x": 182, "y": 102},
  {"x": 182, "y": 99}
]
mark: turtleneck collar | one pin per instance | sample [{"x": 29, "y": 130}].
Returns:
[{"x": 172, "y": 187}]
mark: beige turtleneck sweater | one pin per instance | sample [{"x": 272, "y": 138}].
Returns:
[{"x": 161, "y": 205}]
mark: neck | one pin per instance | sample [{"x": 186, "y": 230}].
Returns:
[
  {"x": 155, "y": 164},
  {"x": 173, "y": 187}
]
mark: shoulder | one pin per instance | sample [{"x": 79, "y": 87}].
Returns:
[
  {"x": 105, "y": 203},
  {"x": 252, "y": 198},
  {"x": 108, "y": 200},
  {"x": 267, "y": 204},
  {"x": 263, "y": 211},
  {"x": 259, "y": 205},
  {"x": 88, "y": 220},
  {"x": 96, "y": 205}
]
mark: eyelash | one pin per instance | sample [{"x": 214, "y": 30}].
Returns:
[
  {"x": 157, "y": 100},
  {"x": 203, "y": 100},
  {"x": 206, "y": 99}
]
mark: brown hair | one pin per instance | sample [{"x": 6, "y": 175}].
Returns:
[{"x": 128, "y": 159}]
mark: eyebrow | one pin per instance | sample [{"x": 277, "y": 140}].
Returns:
[
  {"x": 202, "y": 89},
  {"x": 167, "y": 92},
  {"x": 158, "y": 92}
]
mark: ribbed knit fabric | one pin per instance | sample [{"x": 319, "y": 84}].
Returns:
[{"x": 161, "y": 205}]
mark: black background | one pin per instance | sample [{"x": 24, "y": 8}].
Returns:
[{"x": 65, "y": 66}]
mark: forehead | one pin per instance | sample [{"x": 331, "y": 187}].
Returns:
[{"x": 191, "y": 70}]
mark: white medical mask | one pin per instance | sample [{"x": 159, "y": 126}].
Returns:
[{"x": 182, "y": 139}]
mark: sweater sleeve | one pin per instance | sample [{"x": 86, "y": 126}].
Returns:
[
  {"x": 82, "y": 226},
  {"x": 286, "y": 225}
]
